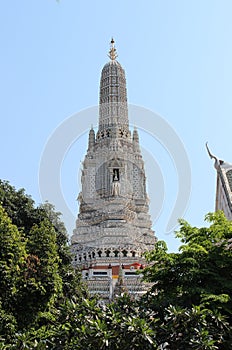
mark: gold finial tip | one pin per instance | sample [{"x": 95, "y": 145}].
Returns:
[{"x": 112, "y": 53}]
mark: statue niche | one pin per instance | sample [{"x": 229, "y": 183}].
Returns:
[{"x": 116, "y": 183}]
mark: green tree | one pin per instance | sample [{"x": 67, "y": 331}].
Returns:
[
  {"x": 36, "y": 275},
  {"x": 70, "y": 277},
  {"x": 19, "y": 207},
  {"x": 201, "y": 271},
  {"x": 12, "y": 261},
  {"x": 42, "y": 282},
  {"x": 83, "y": 324},
  {"x": 199, "y": 275},
  {"x": 24, "y": 214}
]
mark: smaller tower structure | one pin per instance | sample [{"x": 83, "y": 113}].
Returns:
[{"x": 223, "y": 186}]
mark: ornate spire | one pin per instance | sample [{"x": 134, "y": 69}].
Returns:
[
  {"x": 135, "y": 135},
  {"x": 113, "y": 111},
  {"x": 91, "y": 138},
  {"x": 113, "y": 52},
  {"x": 136, "y": 140}
]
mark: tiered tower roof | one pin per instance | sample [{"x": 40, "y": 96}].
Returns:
[{"x": 113, "y": 111}]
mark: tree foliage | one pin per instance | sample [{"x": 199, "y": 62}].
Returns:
[
  {"x": 19, "y": 207},
  {"x": 44, "y": 304},
  {"x": 12, "y": 261},
  {"x": 35, "y": 261},
  {"x": 200, "y": 275}
]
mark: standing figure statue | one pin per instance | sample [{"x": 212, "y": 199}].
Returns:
[
  {"x": 115, "y": 184},
  {"x": 115, "y": 188}
]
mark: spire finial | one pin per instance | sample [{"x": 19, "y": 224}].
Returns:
[
  {"x": 216, "y": 161},
  {"x": 112, "y": 53}
]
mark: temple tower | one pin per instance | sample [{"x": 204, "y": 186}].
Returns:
[
  {"x": 223, "y": 186},
  {"x": 113, "y": 228}
]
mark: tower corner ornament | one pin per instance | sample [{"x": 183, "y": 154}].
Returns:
[{"x": 113, "y": 227}]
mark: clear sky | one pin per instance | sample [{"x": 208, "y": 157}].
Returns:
[{"x": 178, "y": 60}]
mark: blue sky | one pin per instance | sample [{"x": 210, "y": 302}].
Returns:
[{"x": 177, "y": 55}]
